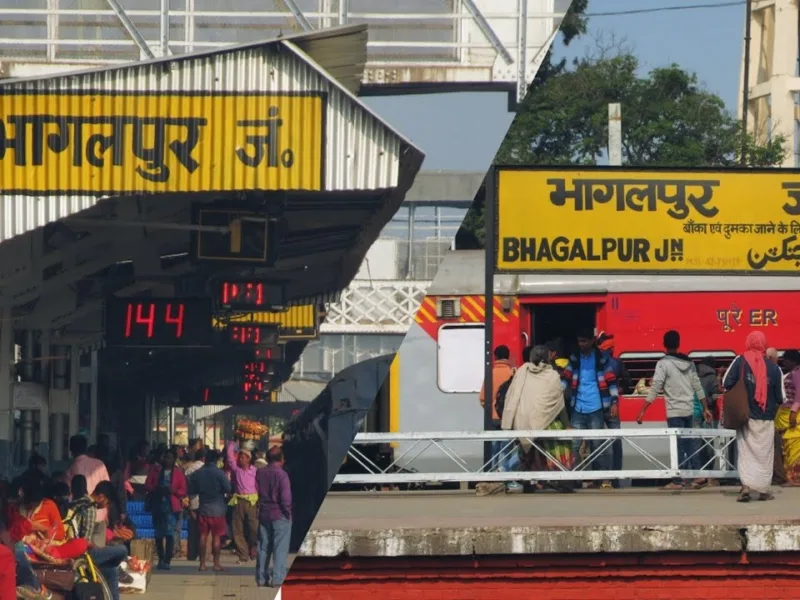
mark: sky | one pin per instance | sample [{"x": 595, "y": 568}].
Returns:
[{"x": 462, "y": 131}]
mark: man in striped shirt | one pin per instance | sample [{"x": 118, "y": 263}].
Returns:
[{"x": 95, "y": 472}]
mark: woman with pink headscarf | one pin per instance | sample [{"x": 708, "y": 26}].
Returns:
[{"x": 755, "y": 441}]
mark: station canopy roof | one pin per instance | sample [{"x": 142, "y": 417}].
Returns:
[{"x": 103, "y": 172}]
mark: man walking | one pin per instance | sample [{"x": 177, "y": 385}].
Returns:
[
  {"x": 595, "y": 396},
  {"x": 210, "y": 485},
  {"x": 275, "y": 521},
  {"x": 676, "y": 378},
  {"x": 198, "y": 462}
]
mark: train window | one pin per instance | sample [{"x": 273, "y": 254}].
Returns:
[
  {"x": 459, "y": 358},
  {"x": 642, "y": 365}
]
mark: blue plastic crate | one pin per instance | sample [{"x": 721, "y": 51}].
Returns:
[
  {"x": 142, "y": 521},
  {"x": 149, "y": 534},
  {"x": 135, "y": 507}
]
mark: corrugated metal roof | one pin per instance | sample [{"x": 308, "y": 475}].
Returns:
[
  {"x": 361, "y": 151},
  {"x": 461, "y": 273},
  {"x": 343, "y": 57}
]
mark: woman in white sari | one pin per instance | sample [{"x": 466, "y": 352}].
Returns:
[
  {"x": 535, "y": 401},
  {"x": 755, "y": 442}
]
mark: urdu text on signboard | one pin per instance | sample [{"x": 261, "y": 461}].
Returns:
[
  {"x": 615, "y": 220},
  {"x": 98, "y": 143}
]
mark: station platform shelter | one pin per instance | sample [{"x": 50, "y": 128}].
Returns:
[{"x": 133, "y": 195}]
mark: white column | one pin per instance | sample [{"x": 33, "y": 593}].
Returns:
[{"x": 784, "y": 62}]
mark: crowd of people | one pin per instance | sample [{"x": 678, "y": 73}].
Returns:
[
  {"x": 239, "y": 499},
  {"x": 582, "y": 391}
]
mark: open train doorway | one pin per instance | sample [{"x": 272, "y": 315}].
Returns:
[{"x": 561, "y": 323}]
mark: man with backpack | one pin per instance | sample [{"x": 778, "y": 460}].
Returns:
[{"x": 502, "y": 372}]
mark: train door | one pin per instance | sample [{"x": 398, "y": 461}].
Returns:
[{"x": 562, "y": 321}]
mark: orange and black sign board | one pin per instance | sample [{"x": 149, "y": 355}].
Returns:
[{"x": 294, "y": 323}]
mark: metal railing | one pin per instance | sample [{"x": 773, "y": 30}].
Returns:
[{"x": 717, "y": 442}]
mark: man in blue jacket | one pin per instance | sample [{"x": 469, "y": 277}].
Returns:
[{"x": 593, "y": 384}]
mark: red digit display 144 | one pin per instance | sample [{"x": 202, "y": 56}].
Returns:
[
  {"x": 158, "y": 322},
  {"x": 146, "y": 314}
]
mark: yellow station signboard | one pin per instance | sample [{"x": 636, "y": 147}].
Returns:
[
  {"x": 616, "y": 220},
  {"x": 114, "y": 143}
]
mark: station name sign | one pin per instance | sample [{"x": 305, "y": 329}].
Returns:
[
  {"x": 110, "y": 143},
  {"x": 616, "y": 220}
]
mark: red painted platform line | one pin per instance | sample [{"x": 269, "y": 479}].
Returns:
[{"x": 596, "y": 577}]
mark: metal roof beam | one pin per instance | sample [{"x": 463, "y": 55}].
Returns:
[
  {"x": 297, "y": 13},
  {"x": 487, "y": 30},
  {"x": 164, "y": 27},
  {"x": 131, "y": 28}
]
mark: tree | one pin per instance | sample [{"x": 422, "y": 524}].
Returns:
[
  {"x": 573, "y": 25},
  {"x": 668, "y": 120}
]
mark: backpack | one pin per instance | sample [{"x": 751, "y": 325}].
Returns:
[{"x": 500, "y": 399}]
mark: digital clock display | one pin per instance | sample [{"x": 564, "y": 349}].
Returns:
[
  {"x": 250, "y": 334},
  {"x": 158, "y": 322},
  {"x": 248, "y": 295}
]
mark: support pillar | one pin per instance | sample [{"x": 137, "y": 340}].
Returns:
[
  {"x": 773, "y": 82},
  {"x": 93, "y": 433},
  {"x": 74, "y": 393},
  {"x": 60, "y": 385},
  {"x": 6, "y": 398},
  {"x": 57, "y": 437},
  {"x": 27, "y": 434},
  {"x": 45, "y": 371}
]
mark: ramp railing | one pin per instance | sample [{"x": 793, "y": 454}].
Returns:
[{"x": 711, "y": 452}]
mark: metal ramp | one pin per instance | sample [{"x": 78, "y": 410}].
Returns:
[{"x": 415, "y": 45}]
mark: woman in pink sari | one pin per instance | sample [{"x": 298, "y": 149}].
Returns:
[{"x": 755, "y": 441}]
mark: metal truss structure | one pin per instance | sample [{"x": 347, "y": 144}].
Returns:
[
  {"x": 422, "y": 45},
  {"x": 401, "y": 471}
]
